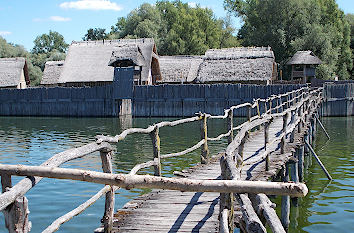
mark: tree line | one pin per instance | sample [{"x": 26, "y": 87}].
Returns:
[{"x": 179, "y": 29}]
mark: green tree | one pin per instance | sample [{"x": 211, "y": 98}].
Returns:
[
  {"x": 291, "y": 25},
  {"x": 46, "y": 43},
  {"x": 95, "y": 34},
  {"x": 350, "y": 19},
  {"x": 176, "y": 28},
  {"x": 11, "y": 50}
]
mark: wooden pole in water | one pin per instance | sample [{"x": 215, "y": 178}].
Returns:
[
  {"x": 204, "y": 156},
  {"x": 285, "y": 200},
  {"x": 155, "y": 138},
  {"x": 323, "y": 128},
  {"x": 318, "y": 160},
  {"x": 301, "y": 163}
]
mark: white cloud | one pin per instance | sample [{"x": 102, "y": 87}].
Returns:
[
  {"x": 91, "y": 5},
  {"x": 5, "y": 33},
  {"x": 59, "y": 19},
  {"x": 37, "y": 20},
  {"x": 192, "y": 4}
]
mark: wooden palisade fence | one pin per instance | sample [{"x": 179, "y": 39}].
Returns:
[{"x": 261, "y": 113}]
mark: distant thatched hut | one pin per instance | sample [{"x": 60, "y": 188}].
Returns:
[
  {"x": 86, "y": 63},
  {"x": 179, "y": 69},
  {"x": 238, "y": 65},
  {"x": 14, "y": 73},
  {"x": 51, "y": 73},
  {"x": 303, "y": 65}
]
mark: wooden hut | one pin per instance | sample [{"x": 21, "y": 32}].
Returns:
[
  {"x": 14, "y": 73},
  {"x": 86, "y": 63},
  {"x": 179, "y": 69},
  {"x": 51, "y": 73},
  {"x": 238, "y": 65},
  {"x": 303, "y": 65}
]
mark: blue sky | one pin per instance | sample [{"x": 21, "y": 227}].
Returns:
[{"x": 22, "y": 20}]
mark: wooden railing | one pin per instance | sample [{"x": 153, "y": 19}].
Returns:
[
  {"x": 302, "y": 104},
  {"x": 260, "y": 112}
]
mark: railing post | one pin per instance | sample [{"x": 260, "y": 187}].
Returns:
[
  {"x": 242, "y": 145},
  {"x": 155, "y": 138},
  {"x": 226, "y": 199},
  {"x": 204, "y": 156},
  {"x": 230, "y": 125},
  {"x": 292, "y": 134},
  {"x": 249, "y": 113},
  {"x": 16, "y": 214},
  {"x": 107, "y": 220},
  {"x": 282, "y": 143},
  {"x": 299, "y": 115},
  {"x": 266, "y": 140},
  {"x": 265, "y": 106}
]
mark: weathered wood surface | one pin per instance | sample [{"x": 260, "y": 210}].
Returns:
[
  {"x": 22, "y": 187},
  {"x": 175, "y": 211}
]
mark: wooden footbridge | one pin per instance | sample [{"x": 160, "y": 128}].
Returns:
[{"x": 223, "y": 191}]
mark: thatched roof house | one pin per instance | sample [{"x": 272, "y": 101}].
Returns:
[
  {"x": 86, "y": 63},
  {"x": 51, "y": 73},
  {"x": 179, "y": 69},
  {"x": 14, "y": 73},
  {"x": 235, "y": 65},
  {"x": 304, "y": 58},
  {"x": 303, "y": 65}
]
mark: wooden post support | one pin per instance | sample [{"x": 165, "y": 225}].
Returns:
[
  {"x": 266, "y": 141},
  {"x": 323, "y": 128},
  {"x": 16, "y": 214},
  {"x": 318, "y": 160},
  {"x": 204, "y": 156},
  {"x": 227, "y": 199},
  {"x": 300, "y": 153},
  {"x": 265, "y": 107},
  {"x": 230, "y": 125},
  {"x": 249, "y": 113},
  {"x": 295, "y": 175},
  {"x": 155, "y": 138},
  {"x": 278, "y": 104},
  {"x": 107, "y": 220},
  {"x": 282, "y": 143},
  {"x": 285, "y": 200}
]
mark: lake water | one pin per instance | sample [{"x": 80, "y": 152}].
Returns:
[{"x": 328, "y": 207}]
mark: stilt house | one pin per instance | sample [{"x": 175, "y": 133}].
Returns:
[
  {"x": 303, "y": 65},
  {"x": 14, "y": 73},
  {"x": 86, "y": 63}
]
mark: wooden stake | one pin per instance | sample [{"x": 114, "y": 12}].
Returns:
[
  {"x": 266, "y": 141},
  {"x": 323, "y": 128},
  {"x": 107, "y": 220},
  {"x": 300, "y": 153},
  {"x": 156, "y": 150},
  {"x": 230, "y": 125},
  {"x": 204, "y": 156},
  {"x": 318, "y": 160},
  {"x": 285, "y": 201}
]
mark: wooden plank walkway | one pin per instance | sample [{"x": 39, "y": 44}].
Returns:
[{"x": 175, "y": 211}]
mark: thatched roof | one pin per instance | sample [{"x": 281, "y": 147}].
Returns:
[
  {"x": 178, "y": 69},
  {"x": 237, "y": 64},
  {"x": 52, "y": 71},
  {"x": 87, "y": 61},
  {"x": 11, "y": 70},
  {"x": 304, "y": 58},
  {"x": 127, "y": 56}
]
